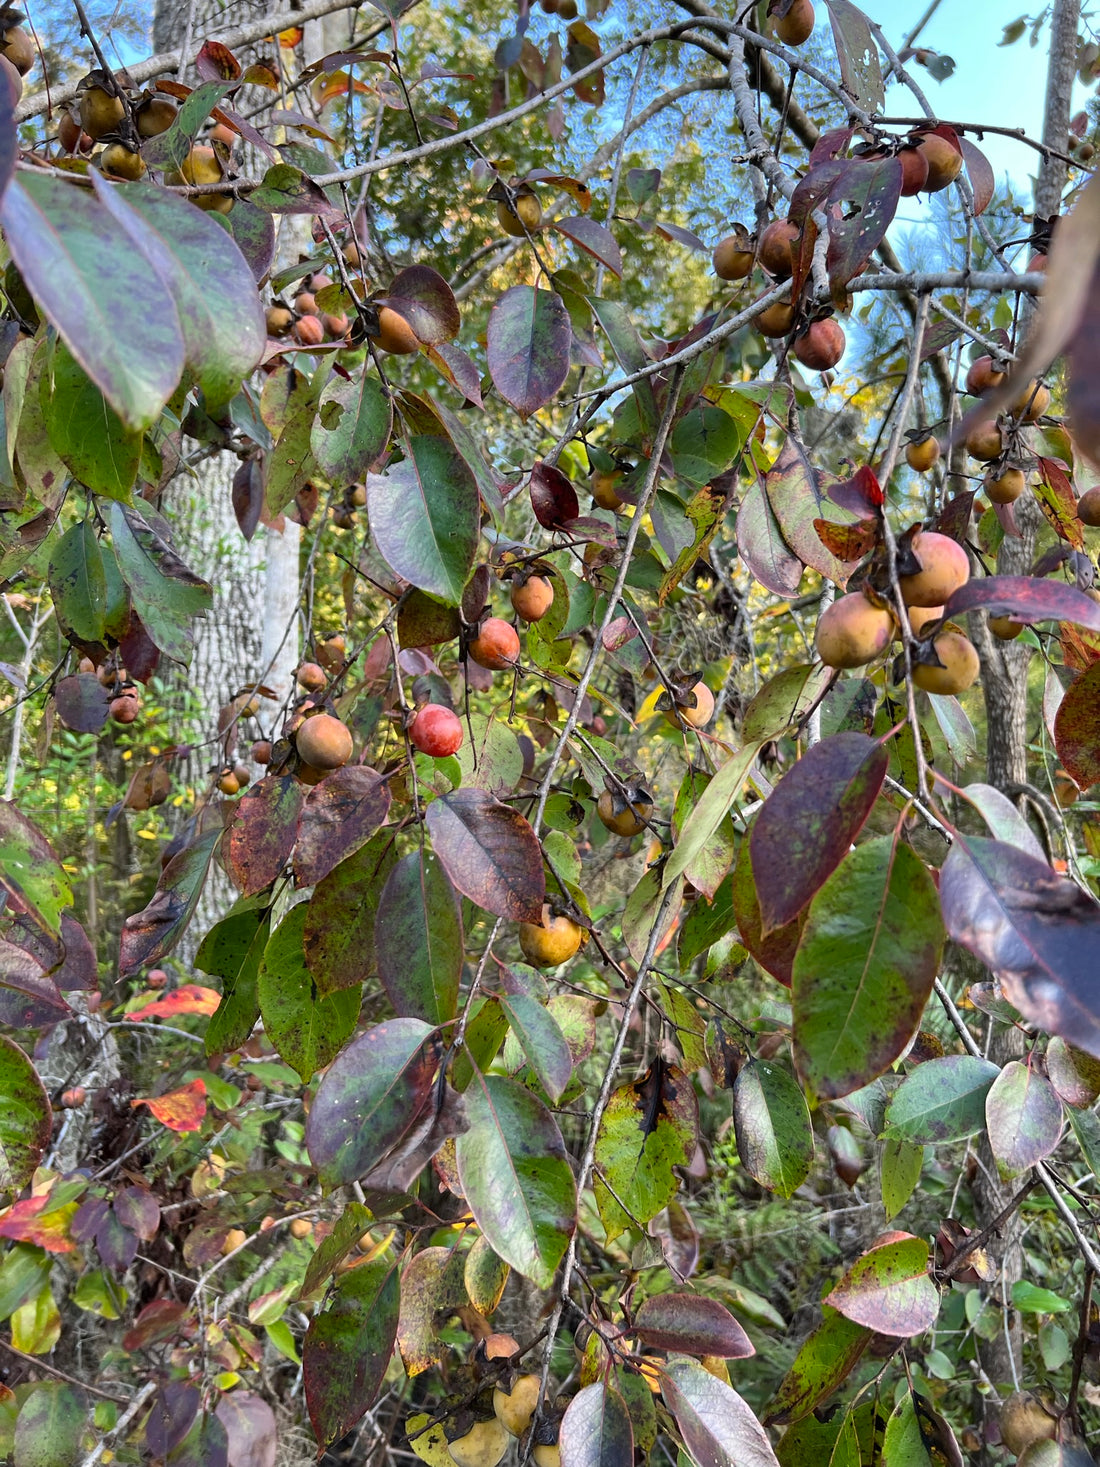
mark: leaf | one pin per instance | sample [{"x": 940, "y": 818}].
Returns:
[
  {"x": 25, "y": 1119},
  {"x": 942, "y": 1100},
  {"x": 826, "y": 1357},
  {"x": 1036, "y": 931},
  {"x": 809, "y": 821},
  {"x": 370, "y": 1097},
  {"x": 433, "y": 1287},
  {"x": 1081, "y": 364},
  {"x": 865, "y": 966},
  {"x": 424, "y": 517},
  {"x": 796, "y": 499},
  {"x": 121, "y": 325},
  {"x": 1024, "y": 1118},
  {"x": 1003, "y": 818},
  {"x": 151, "y": 933},
  {"x": 597, "y": 241},
  {"x": 490, "y": 853},
  {"x": 263, "y": 831},
  {"x": 516, "y": 1177},
  {"x": 50, "y": 1425},
  {"x": 691, "y": 1325},
  {"x": 711, "y": 810},
  {"x": 179, "y": 1110},
  {"x": 596, "y": 1430},
  {"x": 1030, "y": 1299},
  {"x": 1029, "y": 598},
  {"x": 553, "y": 497},
  {"x": 171, "y": 1417},
  {"x": 307, "y": 1028},
  {"x": 982, "y": 178},
  {"x": 783, "y": 701},
  {"x": 762, "y": 547},
  {"x": 85, "y": 431},
  {"x": 650, "y": 1126},
  {"x": 706, "y": 871},
  {"x": 775, "y": 1139},
  {"x": 231, "y": 951},
  {"x": 348, "y": 1347},
  {"x": 861, "y": 207},
  {"x": 775, "y": 952},
  {"x": 1077, "y": 728},
  {"x": 339, "y": 816},
  {"x": 82, "y": 703},
  {"x": 857, "y": 53},
  {"x": 426, "y": 301},
  {"x": 902, "y": 1163},
  {"x": 352, "y": 428},
  {"x": 418, "y": 939},
  {"x": 716, "y": 1425},
  {"x": 188, "y": 998},
  {"x": 207, "y": 276},
  {"x": 528, "y": 347},
  {"x": 250, "y": 1429},
  {"x": 285, "y": 189},
  {"x": 166, "y": 594},
  {"x": 30, "y": 872},
  {"x": 339, "y": 930},
  {"x": 543, "y": 1044},
  {"x": 888, "y": 1289},
  {"x": 349, "y": 1227}
]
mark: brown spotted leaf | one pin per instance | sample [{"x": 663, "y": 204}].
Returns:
[
  {"x": 154, "y": 931},
  {"x": 490, "y": 853},
  {"x": 1077, "y": 726},
  {"x": 339, "y": 815},
  {"x": 889, "y": 1290},
  {"x": 263, "y": 831}
]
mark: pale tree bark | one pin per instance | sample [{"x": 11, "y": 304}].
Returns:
[
  {"x": 252, "y": 634},
  {"x": 1004, "y": 685}
]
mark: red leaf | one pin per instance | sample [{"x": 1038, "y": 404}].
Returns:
[
  {"x": 340, "y": 815},
  {"x": 1077, "y": 726},
  {"x": 860, "y": 493},
  {"x": 980, "y": 173},
  {"x": 216, "y": 62},
  {"x": 179, "y": 1110},
  {"x": 1027, "y": 597},
  {"x": 158, "y": 1321},
  {"x": 33, "y": 1221},
  {"x": 189, "y": 998},
  {"x": 691, "y": 1325},
  {"x": 82, "y": 702},
  {"x": 809, "y": 821},
  {"x": 553, "y": 497},
  {"x": 490, "y": 853}
]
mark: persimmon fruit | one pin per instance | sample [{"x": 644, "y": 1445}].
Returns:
[
  {"x": 776, "y": 247},
  {"x": 532, "y": 598},
  {"x": 100, "y": 111},
  {"x": 1005, "y": 487},
  {"x": 960, "y": 665},
  {"x": 944, "y": 568},
  {"x": 985, "y": 441},
  {"x": 776, "y": 319},
  {"x": 694, "y": 715},
  {"x": 496, "y": 645},
  {"x": 922, "y": 453},
  {"x": 623, "y": 817},
  {"x": 324, "y": 742},
  {"x": 944, "y": 161},
  {"x": 1088, "y": 507},
  {"x": 982, "y": 375},
  {"x": 436, "y": 730},
  {"x": 552, "y": 943},
  {"x": 395, "y": 335},
  {"x": 821, "y": 345},
  {"x": 312, "y": 677},
  {"x": 797, "y": 25},
  {"x": 733, "y": 257},
  {"x": 526, "y": 216},
  {"x": 482, "y": 1446},
  {"x": 603, "y": 489},
  {"x": 853, "y": 631}
]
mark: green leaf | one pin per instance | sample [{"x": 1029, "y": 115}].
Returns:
[
  {"x": 350, "y": 1226},
  {"x": 706, "y": 923},
  {"x": 541, "y": 1040},
  {"x": 865, "y": 967},
  {"x": 25, "y": 1118},
  {"x": 85, "y": 431},
  {"x": 1086, "y": 1127},
  {"x": 291, "y": 462},
  {"x": 307, "y": 1030},
  {"x": 783, "y": 700},
  {"x": 29, "y": 870},
  {"x": 1031, "y": 1299},
  {"x": 824, "y": 1360},
  {"x": 943, "y": 1100},
  {"x": 348, "y": 1347},
  {"x": 901, "y": 1168},
  {"x": 78, "y": 583},
  {"x": 650, "y": 1126},
  {"x": 706, "y": 870},
  {"x": 166, "y": 594},
  {"x": 49, "y": 1427},
  {"x": 775, "y": 1138},
  {"x": 209, "y": 279},
  {"x": 903, "y": 1445},
  {"x": 232, "y": 951},
  {"x": 516, "y": 1177},
  {"x": 712, "y": 809},
  {"x": 418, "y": 939},
  {"x": 351, "y": 429},
  {"x": 705, "y": 441},
  {"x": 339, "y": 931},
  {"x": 25, "y": 1270},
  {"x": 1024, "y": 1118},
  {"x": 120, "y": 324},
  {"x": 424, "y": 517}
]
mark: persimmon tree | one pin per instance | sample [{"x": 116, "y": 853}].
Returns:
[{"x": 622, "y": 867}]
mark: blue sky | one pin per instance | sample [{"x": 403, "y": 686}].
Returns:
[{"x": 1003, "y": 85}]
